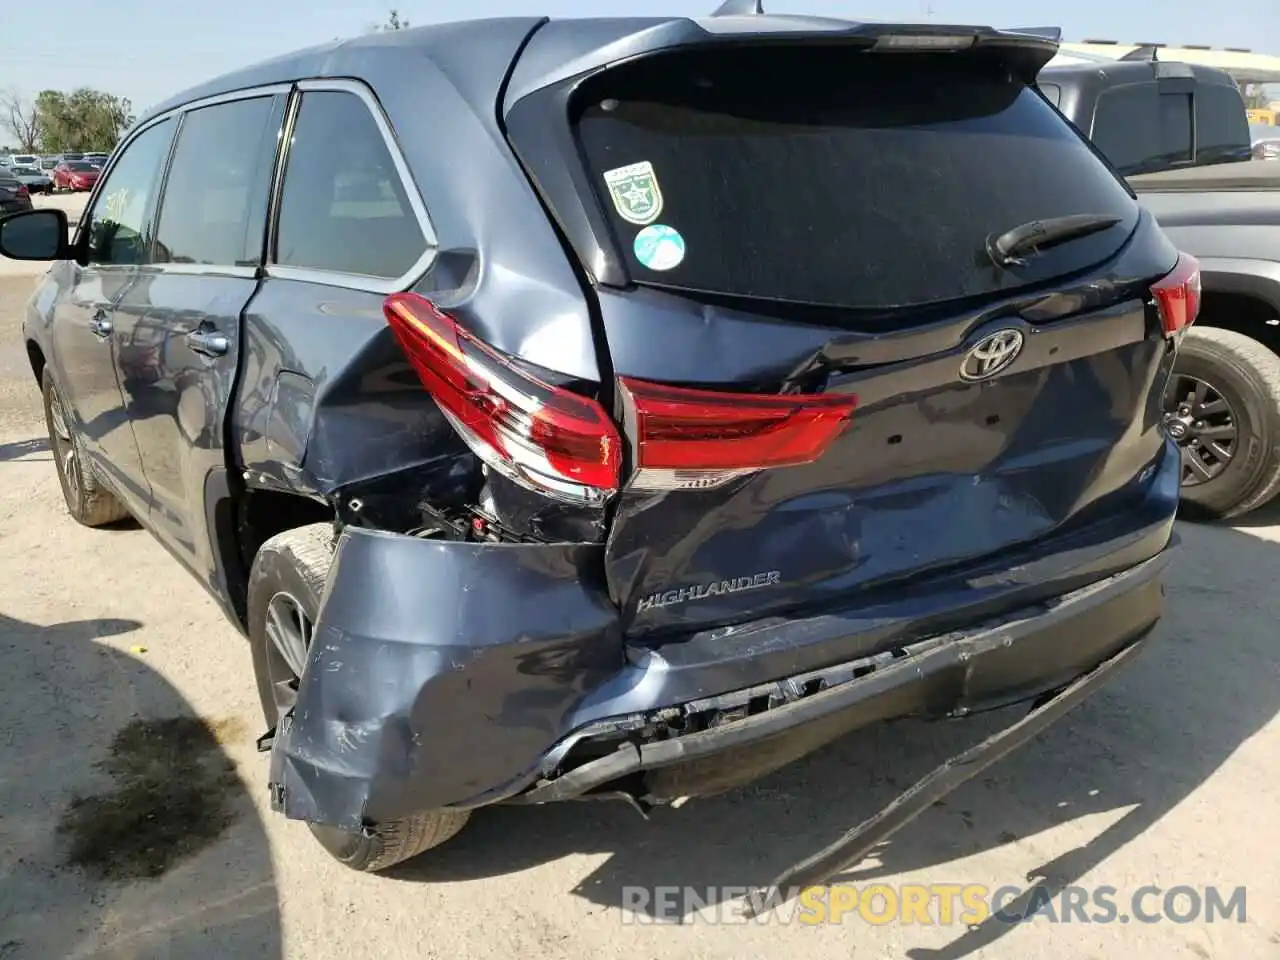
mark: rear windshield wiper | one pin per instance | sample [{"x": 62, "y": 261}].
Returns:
[{"x": 1007, "y": 249}]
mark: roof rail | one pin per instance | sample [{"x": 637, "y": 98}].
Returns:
[
  {"x": 740, "y": 8},
  {"x": 1148, "y": 53}
]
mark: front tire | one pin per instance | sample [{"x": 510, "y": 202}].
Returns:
[
  {"x": 285, "y": 587},
  {"x": 86, "y": 499},
  {"x": 1222, "y": 406}
]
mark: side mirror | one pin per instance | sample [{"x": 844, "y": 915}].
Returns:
[{"x": 35, "y": 235}]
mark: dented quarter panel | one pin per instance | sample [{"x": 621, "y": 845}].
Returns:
[
  {"x": 349, "y": 406},
  {"x": 440, "y": 669},
  {"x": 326, "y": 384}
]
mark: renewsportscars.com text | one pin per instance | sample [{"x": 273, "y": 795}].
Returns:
[{"x": 940, "y": 904}]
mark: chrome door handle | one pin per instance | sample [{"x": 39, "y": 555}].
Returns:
[
  {"x": 207, "y": 342},
  {"x": 100, "y": 325}
]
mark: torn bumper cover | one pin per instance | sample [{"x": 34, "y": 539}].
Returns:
[{"x": 458, "y": 674}]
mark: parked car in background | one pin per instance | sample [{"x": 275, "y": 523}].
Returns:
[
  {"x": 70, "y": 156},
  {"x": 23, "y": 160},
  {"x": 48, "y": 163},
  {"x": 1266, "y": 141},
  {"x": 1181, "y": 136},
  {"x": 35, "y": 179},
  {"x": 14, "y": 195},
  {"x": 96, "y": 158},
  {"x": 75, "y": 175},
  {"x": 711, "y": 463}
]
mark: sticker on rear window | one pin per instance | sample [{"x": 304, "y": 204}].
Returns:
[
  {"x": 635, "y": 192},
  {"x": 659, "y": 247}
]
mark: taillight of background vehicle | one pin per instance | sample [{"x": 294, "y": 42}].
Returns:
[
  {"x": 701, "y": 438},
  {"x": 22, "y": 190},
  {"x": 1177, "y": 296}
]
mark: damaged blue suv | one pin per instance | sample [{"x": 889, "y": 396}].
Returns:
[{"x": 623, "y": 407}]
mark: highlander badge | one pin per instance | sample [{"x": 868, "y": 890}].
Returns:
[{"x": 702, "y": 591}]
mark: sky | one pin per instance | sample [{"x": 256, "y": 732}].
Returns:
[{"x": 147, "y": 50}]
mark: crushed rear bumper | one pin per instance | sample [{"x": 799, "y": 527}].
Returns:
[{"x": 457, "y": 674}]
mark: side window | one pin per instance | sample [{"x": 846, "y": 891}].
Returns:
[
  {"x": 214, "y": 209},
  {"x": 118, "y": 229},
  {"x": 344, "y": 206},
  {"x": 1222, "y": 126},
  {"x": 1126, "y": 127},
  {"x": 1175, "y": 127}
]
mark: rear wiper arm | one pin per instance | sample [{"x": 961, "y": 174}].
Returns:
[{"x": 1007, "y": 249}]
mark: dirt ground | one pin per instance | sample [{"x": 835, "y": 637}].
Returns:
[{"x": 129, "y": 830}]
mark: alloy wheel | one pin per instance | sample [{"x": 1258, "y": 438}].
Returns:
[
  {"x": 1204, "y": 426},
  {"x": 64, "y": 448},
  {"x": 288, "y": 629}
]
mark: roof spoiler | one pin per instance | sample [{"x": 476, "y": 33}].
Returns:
[
  {"x": 1053, "y": 34},
  {"x": 740, "y": 8}
]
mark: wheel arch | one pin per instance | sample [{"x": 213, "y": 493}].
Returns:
[
  {"x": 240, "y": 520},
  {"x": 1242, "y": 296},
  {"x": 35, "y": 356}
]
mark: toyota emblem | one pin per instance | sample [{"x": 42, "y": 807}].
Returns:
[{"x": 991, "y": 354}]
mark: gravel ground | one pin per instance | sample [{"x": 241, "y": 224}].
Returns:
[{"x": 1169, "y": 777}]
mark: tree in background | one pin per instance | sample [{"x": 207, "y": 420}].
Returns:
[
  {"x": 84, "y": 119},
  {"x": 393, "y": 22},
  {"x": 18, "y": 115}
]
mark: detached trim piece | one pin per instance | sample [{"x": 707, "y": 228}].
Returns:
[{"x": 924, "y": 793}]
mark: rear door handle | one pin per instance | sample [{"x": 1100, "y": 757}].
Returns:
[
  {"x": 208, "y": 342},
  {"x": 100, "y": 325}
]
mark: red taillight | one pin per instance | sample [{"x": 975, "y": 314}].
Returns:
[
  {"x": 22, "y": 190},
  {"x": 701, "y": 437},
  {"x": 1177, "y": 296},
  {"x": 544, "y": 437}
]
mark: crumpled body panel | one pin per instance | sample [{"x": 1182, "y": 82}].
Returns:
[{"x": 407, "y": 650}]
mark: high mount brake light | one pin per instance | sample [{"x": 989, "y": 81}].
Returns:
[
  {"x": 1177, "y": 296},
  {"x": 701, "y": 438},
  {"x": 543, "y": 437}
]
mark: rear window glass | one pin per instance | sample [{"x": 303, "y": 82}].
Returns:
[
  {"x": 1222, "y": 125},
  {"x": 829, "y": 177},
  {"x": 1175, "y": 126}
]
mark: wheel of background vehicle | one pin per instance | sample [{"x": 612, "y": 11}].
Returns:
[
  {"x": 285, "y": 586},
  {"x": 87, "y": 501},
  {"x": 1222, "y": 406}
]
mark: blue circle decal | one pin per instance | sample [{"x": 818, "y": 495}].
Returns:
[{"x": 659, "y": 247}]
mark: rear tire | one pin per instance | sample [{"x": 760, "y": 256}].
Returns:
[
  {"x": 82, "y": 491},
  {"x": 1246, "y": 374},
  {"x": 289, "y": 573}
]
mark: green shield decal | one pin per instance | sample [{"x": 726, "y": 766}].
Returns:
[{"x": 635, "y": 192}]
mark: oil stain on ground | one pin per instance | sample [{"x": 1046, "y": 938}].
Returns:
[{"x": 175, "y": 792}]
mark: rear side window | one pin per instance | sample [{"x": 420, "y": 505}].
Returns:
[
  {"x": 215, "y": 202},
  {"x": 827, "y": 177},
  {"x": 1126, "y": 127},
  {"x": 344, "y": 207},
  {"x": 1222, "y": 126}
]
